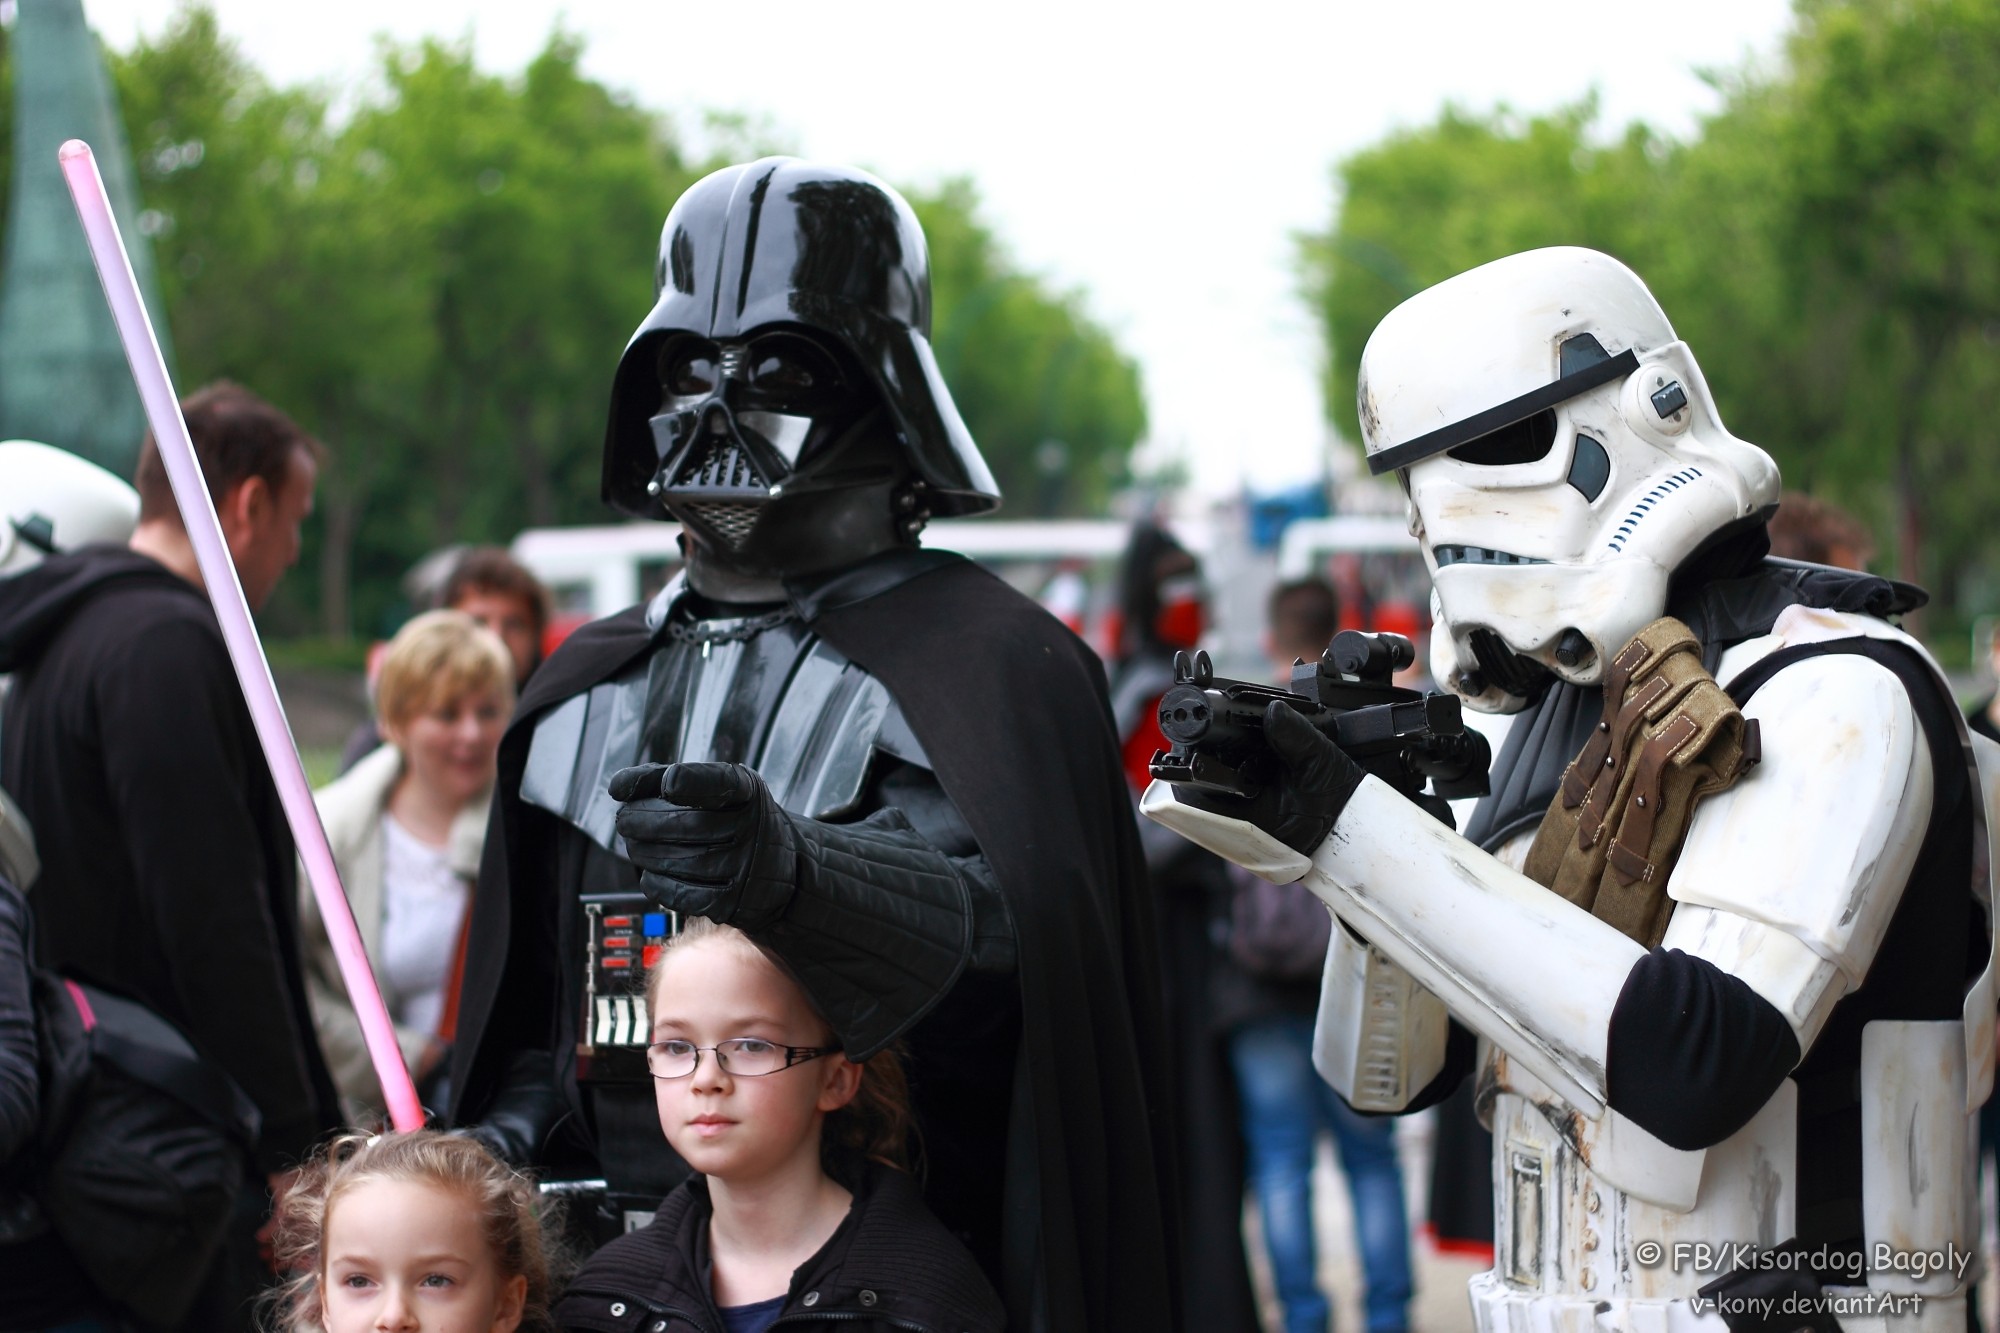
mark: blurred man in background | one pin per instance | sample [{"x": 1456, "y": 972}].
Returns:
[
  {"x": 1162, "y": 609},
  {"x": 494, "y": 589},
  {"x": 167, "y": 867},
  {"x": 1819, "y": 532}
]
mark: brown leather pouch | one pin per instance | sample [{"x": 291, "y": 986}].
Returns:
[{"x": 1669, "y": 737}]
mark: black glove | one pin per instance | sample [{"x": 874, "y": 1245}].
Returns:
[
  {"x": 875, "y": 922},
  {"x": 1317, "y": 783},
  {"x": 711, "y": 841}
]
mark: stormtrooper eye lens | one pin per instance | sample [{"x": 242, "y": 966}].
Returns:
[
  {"x": 1522, "y": 442},
  {"x": 688, "y": 368},
  {"x": 791, "y": 374}
]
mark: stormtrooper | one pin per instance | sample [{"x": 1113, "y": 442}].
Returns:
[
  {"x": 894, "y": 772},
  {"x": 1731, "y": 1077}
]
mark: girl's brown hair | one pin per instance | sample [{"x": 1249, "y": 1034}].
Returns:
[
  {"x": 876, "y": 1124},
  {"x": 505, "y": 1200}
]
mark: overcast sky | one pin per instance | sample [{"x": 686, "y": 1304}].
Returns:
[{"x": 1160, "y": 156}]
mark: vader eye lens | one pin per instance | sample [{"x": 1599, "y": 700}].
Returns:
[
  {"x": 791, "y": 373},
  {"x": 687, "y": 369},
  {"x": 1522, "y": 442},
  {"x": 778, "y": 373}
]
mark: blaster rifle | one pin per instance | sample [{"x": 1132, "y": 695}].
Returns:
[{"x": 1218, "y": 757}]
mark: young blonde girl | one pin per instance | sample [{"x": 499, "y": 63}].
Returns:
[
  {"x": 802, "y": 1205},
  {"x": 420, "y": 1232}
]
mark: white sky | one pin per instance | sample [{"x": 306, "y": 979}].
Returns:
[{"x": 1161, "y": 155}]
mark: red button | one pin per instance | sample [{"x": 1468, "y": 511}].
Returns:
[
  {"x": 617, "y": 941},
  {"x": 618, "y": 923},
  {"x": 617, "y": 962},
  {"x": 651, "y": 954}
]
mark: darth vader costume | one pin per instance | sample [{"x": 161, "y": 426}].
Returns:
[{"x": 894, "y": 772}]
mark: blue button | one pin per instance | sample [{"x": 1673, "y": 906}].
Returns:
[{"x": 656, "y": 924}]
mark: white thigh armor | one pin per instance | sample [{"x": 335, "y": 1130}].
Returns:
[{"x": 1787, "y": 881}]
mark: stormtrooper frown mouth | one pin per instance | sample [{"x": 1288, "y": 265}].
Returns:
[{"x": 1480, "y": 555}]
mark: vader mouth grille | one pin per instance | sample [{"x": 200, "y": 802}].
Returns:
[
  {"x": 731, "y": 522},
  {"x": 722, "y": 466}
]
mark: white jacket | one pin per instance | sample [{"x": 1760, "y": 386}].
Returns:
[{"x": 351, "y": 808}]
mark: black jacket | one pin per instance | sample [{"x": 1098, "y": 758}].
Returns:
[
  {"x": 1010, "y": 708},
  {"x": 889, "y": 1266},
  {"x": 167, "y": 868},
  {"x": 41, "y": 1285}
]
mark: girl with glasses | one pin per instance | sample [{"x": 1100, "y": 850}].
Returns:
[{"x": 802, "y": 1207}]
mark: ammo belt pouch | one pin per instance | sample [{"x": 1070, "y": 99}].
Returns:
[{"x": 1669, "y": 736}]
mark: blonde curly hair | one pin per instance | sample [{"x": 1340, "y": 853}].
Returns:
[{"x": 508, "y": 1204}]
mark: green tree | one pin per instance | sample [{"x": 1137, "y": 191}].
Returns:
[
  {"x": 1055, "y": 405},
  {"x": 1891, "y": 146},
  {"x": 1825, "y": 244},
  {"x": 438, "y": 283},
  {"x": 1428, "y": 203},
  {"x": 427, "y": 287}
]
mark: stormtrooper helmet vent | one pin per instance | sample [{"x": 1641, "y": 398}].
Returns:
[
  {"x": 1645, "y": 506},
  {"x": 1562, "y": 457},
  {"x": 731, "y": 522}
]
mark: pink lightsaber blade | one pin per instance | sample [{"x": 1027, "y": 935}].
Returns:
[{"x": 246, "y": 654}]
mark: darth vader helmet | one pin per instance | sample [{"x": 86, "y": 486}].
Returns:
[
  {"x": 781, "y": 400},
  {"x": 1562, "y": 456}
]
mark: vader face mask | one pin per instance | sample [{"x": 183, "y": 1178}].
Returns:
[
  {"x": 777, "y": 453},
  {"x": 1562, "y": 457},
  {"x": 781, "y": 399}
]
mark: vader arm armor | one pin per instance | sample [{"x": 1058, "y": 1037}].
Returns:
[{"x": 876, "y": 922}]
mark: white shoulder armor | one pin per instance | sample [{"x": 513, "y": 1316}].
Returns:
[{"x": 1788, "y": 879}]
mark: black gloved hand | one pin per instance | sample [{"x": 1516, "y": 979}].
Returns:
[
  {"x": 1317, "y": 782},
  {"x": 711, "y": 841}
]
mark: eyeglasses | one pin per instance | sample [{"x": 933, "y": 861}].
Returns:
[{"x": 744, "y": 1057}]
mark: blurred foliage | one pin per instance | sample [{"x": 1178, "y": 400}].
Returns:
[
  {"x": 1826, "y": 244},
  {"x": 1054, "y": 404},
  {"x": 436, "y": 277}
]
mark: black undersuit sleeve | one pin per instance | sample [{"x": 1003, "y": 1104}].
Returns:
[{"x": 1693, "y": 1053}]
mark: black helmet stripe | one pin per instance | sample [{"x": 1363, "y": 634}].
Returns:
[{"x": 1493, "y": 418}]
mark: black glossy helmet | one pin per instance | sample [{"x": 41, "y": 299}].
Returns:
[{"x": 787, "y": 264}]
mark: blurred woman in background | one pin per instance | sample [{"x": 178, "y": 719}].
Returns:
[{"x": 406, "y": 825}]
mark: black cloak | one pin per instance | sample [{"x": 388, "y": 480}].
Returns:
[{"x": 1010, "y": 708}]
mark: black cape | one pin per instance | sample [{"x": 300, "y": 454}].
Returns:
[{"x": 1010, "y": 707}]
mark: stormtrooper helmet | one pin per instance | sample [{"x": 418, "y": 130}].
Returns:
[
  {"x": 1562, "y": 457},
  {"x": 52, "y": 501}
]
